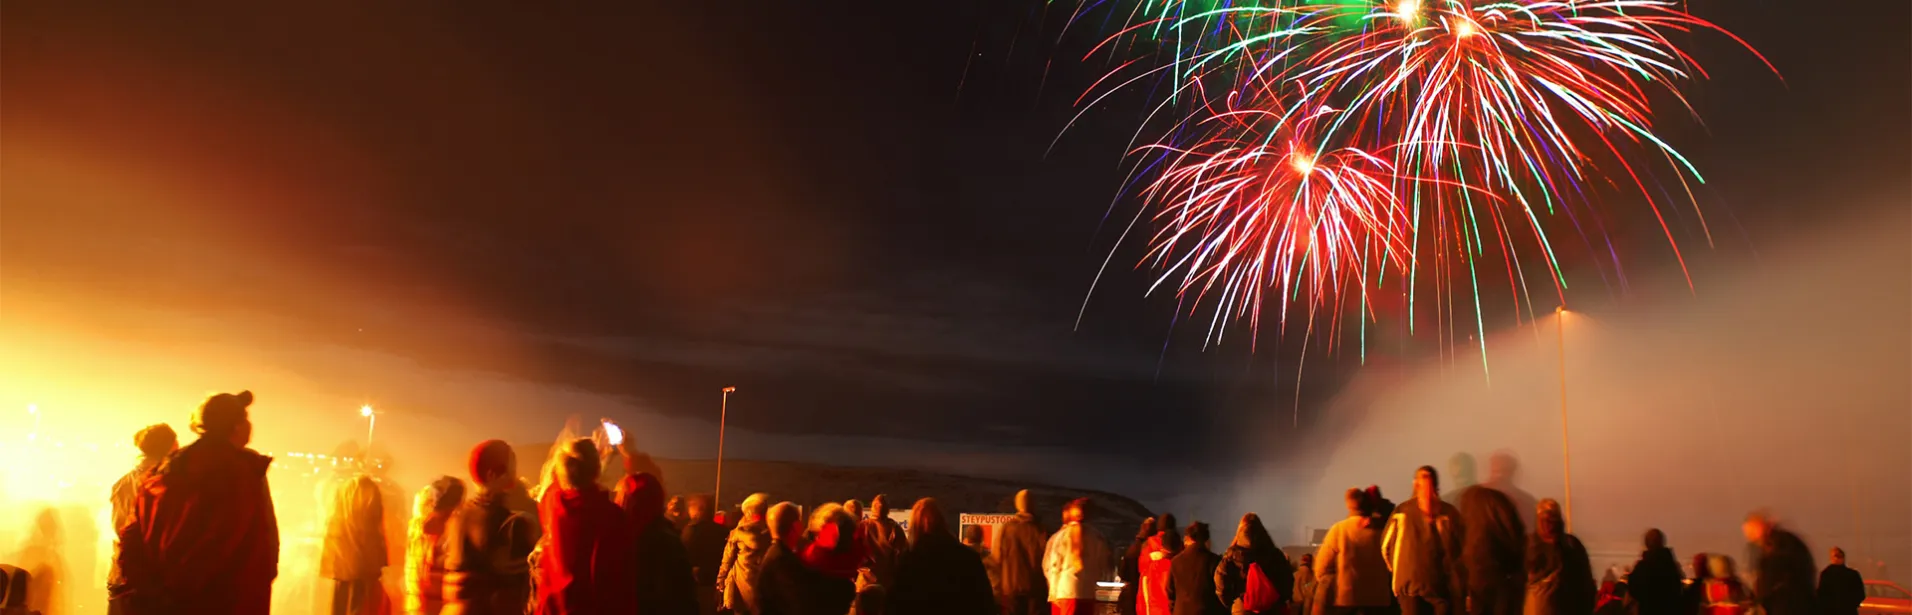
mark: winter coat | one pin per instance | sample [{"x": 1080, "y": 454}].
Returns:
[
  {"x": 1128, "y": 600},
  {"x": 1559, "y": 577},
  {"x": 204, "y": 538},
  {"x": 991, "y": 565},
  {"x": 1349, "y": 569},
  {"x": 885, "y": 543},
  {"x": 1076, "y": 559},
  {"x": 1191, "y": 583},
  {"x": 1657, "y": 582},
  {"x": 486, "y": 559},
  {"x": 586, "y": 563},
  {"x": 742, "y": 565},
  {"x": 661, "y": 581},
  {"x": 787, "y": 587},
  {"x": 940, "y": 576},
  {"x": 704, "y": 541},
  {"x": 1154, "y": 566},
  {"x": 1493, "y": 564},
  {"x": 1019, "y": 551},
  {"x": 1784, "y": 585},
  {"x": 355, "y": 542},
  {"x": 1423, "y": 550},
  {"x": 1231, "y": 576},
  {"x": 125, "y": 497},
  {"x": 1840, "y": 590}
]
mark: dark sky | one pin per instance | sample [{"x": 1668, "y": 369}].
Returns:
[{"x": 848, "y": 209}]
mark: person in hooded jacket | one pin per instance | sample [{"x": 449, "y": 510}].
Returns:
[
  {"x": 1191, "y": 578},
  {"x": 1422, "y": 543},
  {"x": 1128, "y": 601},
  {"x": 155, "y": 442},
  {"x": 830, "y": 547},
  {"x": 743, "y": 558},
  {"x": 704, "y": 540},
  {"x": 1559, "y": 574},
  {"x": 883, "y": 540},
  {"x": 1019, "y": 549},
  {"x": 661, "y": 580},
  {"x": 584, "y": 567},
  {"x": 938, "y": 575},
  {"x": 1157, "y": 555},
  {"x": 1656, "y": 581},
  {"x": 1076, "y": 558},
  {"x": 425, "y": 544},
  {"x": 204, "y": 539},
  {"x": 1493, "y": 558},
  {"x": 1351, "y": 576},
  {"x": 1253, "y": 548},
  {"x": 1783, "y": 583},
  {"x": 489, "y": 544}
]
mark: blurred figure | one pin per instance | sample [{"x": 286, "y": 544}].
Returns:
[
  {"x": 703, "y": 542},
  {"x": 973, "y": 538},
  {"x": 204, "y": 539},
  {"x": 1191, "y": 579},
  {"x": 938, "y": 575},
  {"x": 1157, "y": 555},
  {"x": 1351, "y": 576},
  {"x": 1502, "y": 470},
  {"x": 488, "y": 542},
  {"x": 155, "y": 442},
  {"x": 1019, "y": 551},
  {"x": 662, "y": 582},
  {"x": 1559, "y": 575},
  {"x": 1422, "y": 544},
  {"x": 1722, "y": 591},
  {"x": 1783, "y": 577},
  {"x": 674, "y": 512},
  {"x": 1076, "y": 558},
  {"x": 355, "y": 549},
  {"x": 830, "y": 547},
  {"x": 1493, "y": 558},
  {"x": 737, "y": 575},
  {"x": 883, "y": 539},
  {"x": 1129, "y": 569},
  {"x": 1840, "y": 588},
  {"x": 1304, "y": 584},
  {"x": 870, "y": 600},
  {"x": 1693, "y": 597},
  {"x": 585, "y": 566},
  {"x": 1254, "y": 578},
  {"x": 786, "y": 585},
  {"x": 1461, "y": 474},
  {"x": 425, "y": 545},
  {"x": 854, "y": 508},
  {"x": 43, "y": 561},
  {"x": 1656, "y": 581},
  {"x": 1616, "y": 600}
]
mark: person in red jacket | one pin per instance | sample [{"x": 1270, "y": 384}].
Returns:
[
  {"x": 204, "y": 539},
  {"x": 586, "y": 565}
]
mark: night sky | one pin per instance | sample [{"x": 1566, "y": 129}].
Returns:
[{"x": 850, "y": 210}]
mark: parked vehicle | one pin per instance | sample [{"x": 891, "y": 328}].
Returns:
[{"x": 1885, "y": 598}]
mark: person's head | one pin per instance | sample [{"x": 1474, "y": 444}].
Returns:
[
  {"x": 1758, "y": 527},
  {"x": 493, "y": 466},
  {"x": 1357, "y": 501},
  {"x": 786, "y": 523},
  {"x": 1251, "y": 535},
  {"x": 1427, "y": 482},
  {"x": 1655, "y": 539},
  {"x": 926, "y": 519},
  {"x": 156, "y": 441},
  {"x": 832, "y": 529},
  {"x": 1699, "y": 567},
  {"x": 855, "y": 509},
  {"x": 1307, "y": 560},
  {"x": 973, "y": 535},
  {"x": 753, "y": 506},
  {"x": 1147, "y": 530},
  {"x": 1548, "y": 520},
  {"x": 225, "y": 418},
  {"x": 1171, "y": 537},
  {"x": 1022, "y": 502},
  {"x": 436, "y": 501},
  {"x": 880, "y": 506},
  {"x": 1197, "y": 536},
  {"x": 358, "y": 502},
  {"x": 1461, "y": 467},
  {"x": 1837, "y": 556},
  {"x": 697, "y": 508},
  {"x": 578, "y": 464},
  {"x": 1076, "y": 511},
  {"x": 1720, "y": 567},
  {"x": 1502, "y": 467},
  {"x": 674, "y": 507}
]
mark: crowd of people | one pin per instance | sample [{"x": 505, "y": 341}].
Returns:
[{"x": 198, "y": 535}]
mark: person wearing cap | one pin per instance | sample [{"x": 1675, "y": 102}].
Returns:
[
  {"x": 488, "y": 543},
  {"x": 204, "y": 538},
  {"x": 1024, "y": 590},
  {"x": 155, "y": 442}
]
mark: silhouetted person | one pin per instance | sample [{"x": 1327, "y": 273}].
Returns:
[
  {"x": 204, "y": 539},
  {"x": 973, "y": 538},
  {"x": 1493, "y": 559},
  {"x": 355, "y": 548},
  {"x": 586, "y": 565},
  {"x": 1351, "y": 576},
  {"x": 661, "y": 579},
  {"x": 883, "y": 539},
  {"x": 1157, "y": 554},
  {"x": 1840, "y": 588},
  {"x": 1254, "y": 578},
  {"x": 1502, "y": 470},
  {"x": 1191, "y": 577},
  {"x": 786, "y": 585},
  {"x": 1656, "y": 581},
  {"x": 1304, "y": 584},
  {"x": 1076, "y": 558},
  {"x": 871, "y": 600},
  {"x": 1721, "y": 592},
  {"x": 939, "y": 576},
  {"x": 155, "y": 442},
  {"x": 1422, "y": 543},
  {"x": 830, "y": 547},
  {"x": 426, "y": 543},
  {"x": 1129, "y": 569},
  {"x": 1693, "y": 597},
  {"x": 854, "y": 509},
  {"x": 704, "y": 541},
  {"x": 1461, "y": 474},
  {"x": 1783, "y": 583},
  {"x": 743, "y": 557},
  {"x": 1019, "y": 550},
  {"x": 488, "y": 542},
  {"x": 1559, "y": 575},
  {"x": 674, "y": 511}
]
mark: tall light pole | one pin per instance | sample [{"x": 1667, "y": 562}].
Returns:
[
  {"x": 723, "y": 414},
  {"x": 1566, "y": 449},
  {"x": 371, "y": 423}
]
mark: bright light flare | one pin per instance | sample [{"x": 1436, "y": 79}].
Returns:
[{"x": 364, "y": 411}]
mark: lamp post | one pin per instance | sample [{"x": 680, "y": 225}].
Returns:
[
  {"x": 723, "y": 414},
  {"x": 1566, "y": 450},
  {"x": 371, "y": 423}
]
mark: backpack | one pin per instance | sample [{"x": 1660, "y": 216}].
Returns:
[{"x": 1261, "y": 595}]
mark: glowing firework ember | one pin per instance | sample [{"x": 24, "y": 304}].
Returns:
[{"x": 1487, "y": 119}]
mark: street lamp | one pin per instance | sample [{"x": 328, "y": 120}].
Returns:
[
  {"x": 723, "y": 413},
  {"x": 371, "y": 422},
  {"x": 1566, "y": 450}
]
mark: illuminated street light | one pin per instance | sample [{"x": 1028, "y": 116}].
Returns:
[
  {"x": 371, "y": 423},
  {"x": 723, "y": 413},
  {"x": 1566, "y": 452}
]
